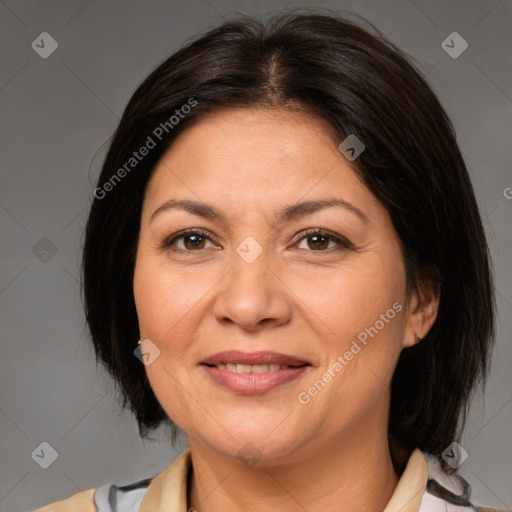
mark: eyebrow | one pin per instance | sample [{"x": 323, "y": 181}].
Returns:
[{"x": 287, "y": 214}]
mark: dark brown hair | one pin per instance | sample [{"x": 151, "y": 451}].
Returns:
[{"x": 360, "y": 83}]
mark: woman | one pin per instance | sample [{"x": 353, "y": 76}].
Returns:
[{"x": 285, "y": 223}]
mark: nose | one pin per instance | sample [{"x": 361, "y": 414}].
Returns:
[{"x": 253, "y": 295}]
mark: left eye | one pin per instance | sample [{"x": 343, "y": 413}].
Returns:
[
  {"x": 320, "y": 240},
  {"x": 316, "y": 240}
]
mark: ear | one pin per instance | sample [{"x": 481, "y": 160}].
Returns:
[{"x": 422, "y": 311}]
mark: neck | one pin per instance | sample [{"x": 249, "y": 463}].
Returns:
[{"x": 347, "y": 475}]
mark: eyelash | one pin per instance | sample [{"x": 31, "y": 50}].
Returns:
[{"x": 342, "y": 242}]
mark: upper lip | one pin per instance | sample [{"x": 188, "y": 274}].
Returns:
[{"x": 253, "y": 358}]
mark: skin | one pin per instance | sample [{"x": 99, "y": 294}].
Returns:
[{"x": 295, "y": 298}]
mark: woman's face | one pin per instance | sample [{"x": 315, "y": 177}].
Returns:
[{"x": 254, "y": 280}]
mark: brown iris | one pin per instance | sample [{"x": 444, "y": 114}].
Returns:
[{"x": 322, "y": 245}]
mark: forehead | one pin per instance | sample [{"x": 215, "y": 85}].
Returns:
[{"x": 253, "y": 158}]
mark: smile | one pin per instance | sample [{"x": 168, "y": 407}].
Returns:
[
  {"x": 251, "y": 368},
  {"x": 253, "y": 373}
]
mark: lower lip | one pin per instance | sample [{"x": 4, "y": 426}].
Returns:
[{"x": 253, "y": 383}]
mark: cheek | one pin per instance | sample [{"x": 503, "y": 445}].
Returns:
[
  {"x": 353, "y": 298},
  {"x": 363, "y": 307},
  {"x": 165, "y": 305},
  {"x": 366, "y": 314},
  {"x": 152, "y": 300},
  {"x": 163, "y": 298}
]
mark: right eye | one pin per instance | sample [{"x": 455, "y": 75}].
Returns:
[{"x": 193, "y": 240}]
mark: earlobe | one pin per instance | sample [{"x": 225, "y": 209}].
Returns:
[{"x": 422, "y": 312}]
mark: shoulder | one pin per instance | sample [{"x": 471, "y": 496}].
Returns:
[
  {"x": 169, "y": 486},
  {"x": 80, "y": 502},
  {"x": 431, "y": 503},
  {"x": 447, "y": 493},
  {"x": 107, "y": 498}
]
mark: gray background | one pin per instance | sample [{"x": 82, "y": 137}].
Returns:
[{"x": 56, "y": 114}]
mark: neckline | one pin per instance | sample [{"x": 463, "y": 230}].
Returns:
[{"x": 168, "y": 491}]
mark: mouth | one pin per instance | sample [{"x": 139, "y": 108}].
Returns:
[
  {"x": 251, "y": 368},
  {"x": 252, "y": 373}
]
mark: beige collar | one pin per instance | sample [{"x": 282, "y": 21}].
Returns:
[
  {"x": 168, "y": 490},
  {"x": 411, "y": 486}
]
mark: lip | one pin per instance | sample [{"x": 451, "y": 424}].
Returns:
[
  {"x": 252, "y": 358},
  {"x": 254, "y": 383}
]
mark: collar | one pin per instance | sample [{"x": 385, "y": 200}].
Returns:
[{"x": 168, "y": 490}]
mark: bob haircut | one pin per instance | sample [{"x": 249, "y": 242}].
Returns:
[{"x": 360, "y": 83}]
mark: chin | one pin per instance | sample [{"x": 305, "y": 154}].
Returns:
[{"x": 256, "y": 444}]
